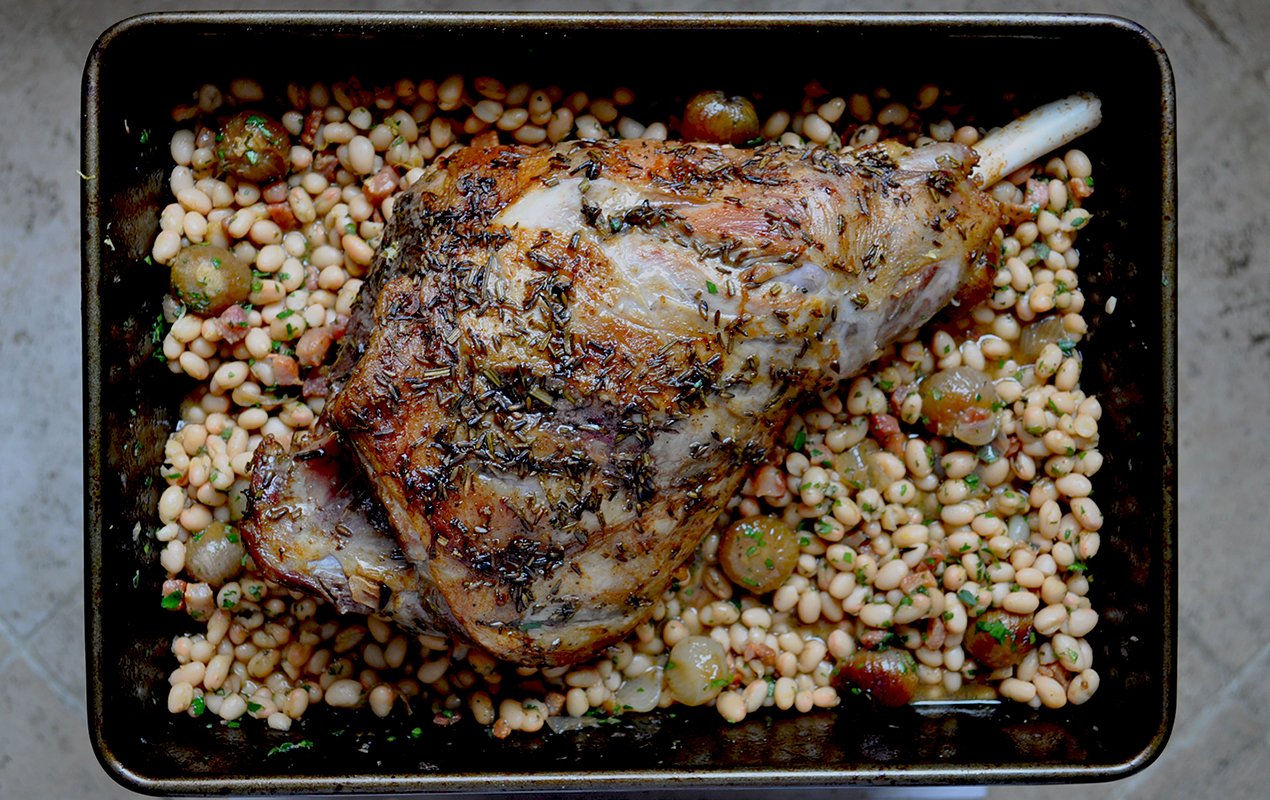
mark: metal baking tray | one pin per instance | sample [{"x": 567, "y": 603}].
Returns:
[{"x": 140, "y": 67}]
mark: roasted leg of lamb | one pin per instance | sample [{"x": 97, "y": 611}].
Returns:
[{"x": 566, "y": 360}]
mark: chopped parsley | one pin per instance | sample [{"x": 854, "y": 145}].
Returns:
[
  {"x": 172, "y": 600},
  {"x": 996, "y": 629},
  {"x": 712, "y": 287},
  {"x": 967, "y": 597},
  {"x": 287, "y": 747},
  {"x": 800, "y": 439}
]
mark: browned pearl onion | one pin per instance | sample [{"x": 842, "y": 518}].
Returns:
[
  {"x": 715, "y": 117},
  {"x": 210, "y": 279},
  {"x": 889, "y": 676},
  {"x": 999, "y": 639},
  {"x": 215, "y": 555},
  {"x": 961, "y": 402},
  {"x": 254, "y": 147},
  {"x": 697, "y": 670},
  {"x": 759, "y": 553}
]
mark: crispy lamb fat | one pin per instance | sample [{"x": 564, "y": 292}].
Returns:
[
  {"x": 576, "y": 353},
  {"x": 316, "y": 529}
]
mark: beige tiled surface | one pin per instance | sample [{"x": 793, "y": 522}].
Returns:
[{"x": 1220, "y": 747}]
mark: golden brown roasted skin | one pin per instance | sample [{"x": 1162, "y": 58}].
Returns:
[
  {"x": 576, "y": 353},
  {"x": 314, "y": 527}
]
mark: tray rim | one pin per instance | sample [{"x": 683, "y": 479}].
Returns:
[{"x": 1011, "y": 23}]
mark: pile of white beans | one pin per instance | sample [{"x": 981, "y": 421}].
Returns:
[{"x": 1012, "y": 530}]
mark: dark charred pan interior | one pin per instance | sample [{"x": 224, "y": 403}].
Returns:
[{"x": 130, "y": 405}]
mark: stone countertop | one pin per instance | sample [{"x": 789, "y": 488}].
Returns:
[{"x": 1219, "y": 746}]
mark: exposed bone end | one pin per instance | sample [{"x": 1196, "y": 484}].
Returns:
[{"x": 1036, "y": 133}]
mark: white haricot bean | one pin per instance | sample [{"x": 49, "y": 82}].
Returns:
[
  {"x": 809, "y": 607},
  {"x": 232, "y": 707},
  {"x": 1078, "y": 164},
  {"x": 1018, "y": 690},
  {"x": 756, "y": 617},
  {"x": 817, "y": 129},
  {"x": 512, "y": 118},
  {"x": 958, "y": 514},
  {"x": 180, "y": 696},
  {"x": 628, "y": 128},
  {"x": 731, "y": 706},
  {"x": 192, "y": 199},
  {"x": 1087, "y": 513},
  {"x": 813, "y": 653},
  {"x": 1081, "y": 622},
  {"x": 576, "y": 702},
  {"x": 1082, "y": 687},
  {"x": 893, "y": 114},
  {"x": 166, "y": 245},
  {"x": 877, "y": 615},
  {"x": 530, "y": 134},
  {"x": 1074, "y": 485},
  {"x": 231, "y": 374},
  {"x": 824, "y": 697},
  {"x": 182, "y": 147},
  {"x": 1020, "y": 602},
  {"x": 344, "y": 693},
  {"x": 191, "y": 674},
  {"x": 1049, "y": 691},
  {"x": 217, "y": 671},
  {"x": 890, "y": 574},
  {"x": 172, "y": 557},
  {"x": 382, "y": 697},
  {"x": 560, "y": 124}
]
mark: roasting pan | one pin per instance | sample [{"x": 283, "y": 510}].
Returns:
[{"x": 140, "y": 67}]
